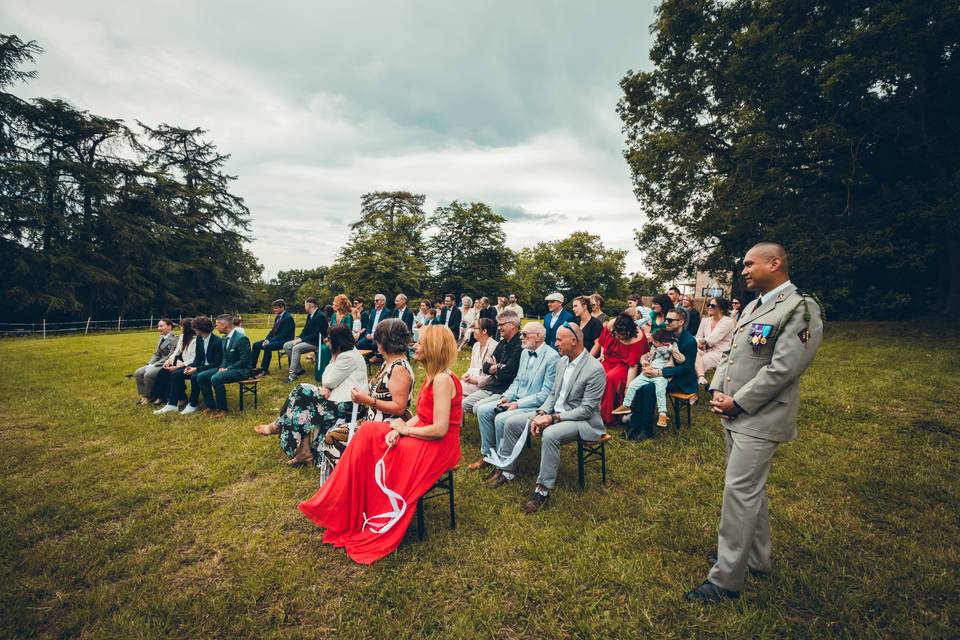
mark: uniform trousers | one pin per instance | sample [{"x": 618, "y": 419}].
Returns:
[{"x": 744, "y": 536}]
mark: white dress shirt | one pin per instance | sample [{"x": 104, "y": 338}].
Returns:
[{"x": 560, "y": 405}]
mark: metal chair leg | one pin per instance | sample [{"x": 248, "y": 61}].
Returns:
[
  {"x": 453, "y": 512},
  {"x": 421, "y": 526},
  {"x": 603, "y": 463},
  {"x": 580, "y": 464}
]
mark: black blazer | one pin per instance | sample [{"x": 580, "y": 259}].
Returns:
[
  {"x": 315, "y": 329},
  {"x": 209, "y": 348},
  {"x": 406, "y": 316},
  {"x": 283, "y": 328},
  {"x": 455, "y": 318}
]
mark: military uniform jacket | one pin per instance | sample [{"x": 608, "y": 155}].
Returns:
[{"x": 771, "y": 348}]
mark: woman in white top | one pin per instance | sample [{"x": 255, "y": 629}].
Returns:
[
  {"x": 713, "y": 337},
  {"x": 311, "y": 410},
  {"x": 420, "y": 320},
  {"x": 468, "y": 316},
  {"x": 170, "y": 385},
  {"x": 475, "y": 379}
]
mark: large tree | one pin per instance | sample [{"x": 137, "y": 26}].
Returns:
[
  {"x": 468, "y": 252},
  {"x": 829, "y": 127},
  {"x": 384, "y": 253},
  {"x": 576, "y": 265}
]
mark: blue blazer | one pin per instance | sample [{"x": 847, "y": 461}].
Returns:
[
  {"x": 683, "y": 377},
  {"x": 371, "y": 316},
  {"x": 535, "y": 380},
  {"x": 209, "y": 349},
  {"x": 407, "y": 316},
  {"x": 315, "y": 328},
  {"x": 565, "y": 316}
]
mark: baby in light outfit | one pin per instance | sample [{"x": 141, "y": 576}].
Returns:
[{"x": 664, "y": 354}]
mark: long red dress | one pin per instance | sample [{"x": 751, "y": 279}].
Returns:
[
  {"x": 411, "y": 468},
  {"x": 617, "y": 360}
]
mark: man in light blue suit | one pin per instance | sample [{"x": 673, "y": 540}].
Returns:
[{"x": 533, "y": 384}]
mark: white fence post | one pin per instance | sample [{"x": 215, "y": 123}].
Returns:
[
  {"x": 44, "y": 328},
  {"x": 151, "y": 320},
  {"x": 119, "y": 318},
  {"x": 87, "y": 330}
]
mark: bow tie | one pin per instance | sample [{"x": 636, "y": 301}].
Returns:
[{"x": 533, "y": 354}]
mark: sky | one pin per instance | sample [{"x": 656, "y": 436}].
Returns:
[{"x": 508, "y": 103}]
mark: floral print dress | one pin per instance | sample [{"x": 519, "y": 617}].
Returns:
[{"x": 304, "y": 412}]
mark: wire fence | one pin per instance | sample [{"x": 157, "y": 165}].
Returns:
[{"x": 45, "y": 329}]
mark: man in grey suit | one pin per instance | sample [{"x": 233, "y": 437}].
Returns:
[
  {"x": 146, "y": 375},
  {"x": 756, "y": 394},
  {"x": 571, "y": 411}
]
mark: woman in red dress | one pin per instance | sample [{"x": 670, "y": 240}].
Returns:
[
  {"x": 618, "y": 348},
  {"x": 367, "y": 503}
]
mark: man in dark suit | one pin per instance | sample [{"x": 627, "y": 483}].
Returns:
[
  {"x": 378, "y": 313},
  {"x": 450, "y": 315},
  {"x": 207, "y": 357},
  {"x": 233, "y": 366},
  {"x": 683, "y": 378},
  {"x": 314, "y": 330},
  {"x": 280, "y": 334},
  {"x": 401, "y": 311}
]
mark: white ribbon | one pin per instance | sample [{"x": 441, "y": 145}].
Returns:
[
  {"x": 494, "y": 458},
  {"x": 398, "y": 505}
]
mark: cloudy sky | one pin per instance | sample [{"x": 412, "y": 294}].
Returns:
[{"x": 510, "y": 103}]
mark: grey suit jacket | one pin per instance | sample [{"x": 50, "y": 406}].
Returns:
[
  {"x": 764, "y": 379},
  {"x": 165, "y": 346},
  {"x": 583, "y": 396}
]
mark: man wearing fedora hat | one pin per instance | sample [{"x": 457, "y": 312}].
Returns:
[{"x": 555, "y": 319}]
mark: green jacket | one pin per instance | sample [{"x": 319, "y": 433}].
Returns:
[{"x": 236, "y": 353}]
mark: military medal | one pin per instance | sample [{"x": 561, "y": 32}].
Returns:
[
  {"x": 759, "y": 333},
  {"x": 804, "y": 335}
]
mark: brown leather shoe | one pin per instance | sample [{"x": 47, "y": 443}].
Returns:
[
  {"x": 497, "y": 480},
  {"x": 477, "y": 465},
  {"x": 534, "y": 503}
]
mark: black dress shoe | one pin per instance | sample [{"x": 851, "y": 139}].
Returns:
[
  {"x": 756, "y": 573},
  {"x": 534, "y": 503},
  {"x": 709, "y": 592}
]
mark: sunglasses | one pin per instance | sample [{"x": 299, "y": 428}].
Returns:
[
  {"x": 736, "y": 302},
  {"x": 567, "y": 325},
  {"x": 669, "y": 319},
  {"x": 711, "y": 306}
]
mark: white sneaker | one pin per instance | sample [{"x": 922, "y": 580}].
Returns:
[
  {"x": 188, "y": 409},
  {"x": 167, "y": 408}
]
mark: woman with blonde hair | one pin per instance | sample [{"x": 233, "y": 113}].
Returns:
[
  {"x": 341, "y": 311},
  {"x": 367, "y": 503}
]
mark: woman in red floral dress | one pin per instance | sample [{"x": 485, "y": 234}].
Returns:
[{"x": 368, "y": 501}]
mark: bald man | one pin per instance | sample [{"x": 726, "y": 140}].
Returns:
[{"x": 756, "y": 396}]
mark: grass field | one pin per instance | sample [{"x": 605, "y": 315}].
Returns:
[{"x": 115, "y": 523}]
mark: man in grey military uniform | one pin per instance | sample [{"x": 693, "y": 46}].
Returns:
[{"x": 756, "y": 394}]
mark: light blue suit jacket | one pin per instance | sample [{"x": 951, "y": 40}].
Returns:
[{"x": 534, "y": 381}]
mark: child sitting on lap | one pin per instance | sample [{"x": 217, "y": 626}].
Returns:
[{"x": 664, "y": 353}]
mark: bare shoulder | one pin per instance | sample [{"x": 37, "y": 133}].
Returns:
[{"x": 443, "y": 383}]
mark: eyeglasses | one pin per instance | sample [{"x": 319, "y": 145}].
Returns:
[
  {"x": 568, "y": 326},
  {"x": 711, "y": 306}
]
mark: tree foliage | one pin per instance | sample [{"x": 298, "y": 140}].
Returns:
[
  {"x": 98, "y": 219},
  {"x": 384, "y": 253},
  {"x": 578, "y": 264},
  {"x": 829, "y": 127},
  {"x": 468, "y": 252}
]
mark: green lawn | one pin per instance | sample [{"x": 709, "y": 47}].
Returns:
[{"x": 117, "y": 523}]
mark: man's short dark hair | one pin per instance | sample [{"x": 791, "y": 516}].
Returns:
[
  {"x": 278, "y": 303},
  {"x": 678, "y": 311},
  {"x": 392, "y": 335},
  {"x": 341, "y": 338},
  {"x": 487, "y": 325},
  {"x": 358, "y": 299},
  {"x": 634, "y": 297},
  {"x": 663, "y": 336},
  {"x": 225, "y": 317},
  {"x": 311, "y": 300},
  {"x": 674, "y": 288},
  {"x": 450, "y": 295},
  {"x": 167, "y": 321},
  {"x": 203, "y": 324}
]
